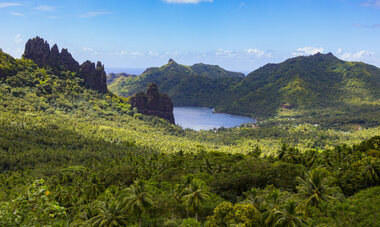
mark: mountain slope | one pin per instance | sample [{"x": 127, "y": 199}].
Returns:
[
  {"x": 306, "y": 83},
  {"x": 186, "y": 85},
  {"x": 297, "y": 86}
]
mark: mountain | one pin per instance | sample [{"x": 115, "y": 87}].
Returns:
[
  {"x": 38, "y": 50},
  {"x": 113, "y": 77},
  {"x": 72, "y": 155},
  {"x": 306, "y": 83},
  {"x": 153, "y": 103},
  {"x": 186, "y": 85},
  {"x": 299, "y": 85}
]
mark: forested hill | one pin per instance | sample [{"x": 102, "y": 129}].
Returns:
[
  {"x": 296, "y": 86},
  {"x": 72, "y": 155},
  {"x": 197, "y": 85},
  {"x": 307, "y": 83}
]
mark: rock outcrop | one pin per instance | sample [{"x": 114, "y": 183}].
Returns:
[
  {"x": 94, "y": 76},
  {"x": 38, "y": 50},
  {"x": 153, "y": 103}
]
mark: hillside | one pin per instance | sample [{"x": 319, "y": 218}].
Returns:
[
  {"x": 186, "y": 85},
  {"x": 74, "y": 155},
  {"x": 307, "y": 83},
  {"x": 299, "y": 86}
]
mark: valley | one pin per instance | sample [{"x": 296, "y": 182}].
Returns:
[{"x": 75, "y": 153}]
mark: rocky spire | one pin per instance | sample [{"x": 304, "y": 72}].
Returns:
[
  {"x": 54, "y": 58},
  {"x": 153, "y": 103},
  {"x": 67, "y": 61},
  {"x": 38, "y": 50}
]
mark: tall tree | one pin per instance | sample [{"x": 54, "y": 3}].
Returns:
[
  {"x": 138, "y": 199},
  {"x": 313, "y": 189},
  {"x": 110, "y": 214},
  {"x": 196, "y": 195},
  {"x": 290, "y": 217}
]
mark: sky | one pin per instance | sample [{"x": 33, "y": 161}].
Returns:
[{"x": 239, "y": 35}]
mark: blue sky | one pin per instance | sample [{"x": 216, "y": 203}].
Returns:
[{"x": 239, "y": 35}]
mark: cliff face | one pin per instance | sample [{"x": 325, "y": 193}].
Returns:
[
  {"x": 39, "y": 51},
  {"x": 94, "y": 76},
  {"x": 153, "y": 103}
]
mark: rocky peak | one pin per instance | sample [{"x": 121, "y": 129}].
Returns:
[
  {"x": 68, "y": 62},
  {"x": 54, "y": 57},
  {"x": 94, "y": 76},
  {"x": 153, "y": 103},
  {"x": 38, "y": 50},
  {"x": 171, "y": 61}
]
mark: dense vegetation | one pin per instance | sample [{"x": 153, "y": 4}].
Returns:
[
  {"x": 197, "y": 85},
  {"x": 72, "y": 156},
  {"x": 319, "y": 85}
]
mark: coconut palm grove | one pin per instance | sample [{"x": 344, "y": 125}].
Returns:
[{"x": 84, "y": 144}]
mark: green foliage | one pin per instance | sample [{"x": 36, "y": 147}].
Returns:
[
  {"x": 313, "y": 190},
  {"x": 34, "y": 207},
  {"x": 72, "y": 156},
  {"x": 362, "y": 209},
  {"x": 320, "y": 87},
  {"x": 186, "y": 86}
]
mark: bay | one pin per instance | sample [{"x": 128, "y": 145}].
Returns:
[{"x": 203, "y": 118}]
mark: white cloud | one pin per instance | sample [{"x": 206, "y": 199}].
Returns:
[
  {"x": 307, "y": 51},
  {"x": 243, "y": 53},
  {"x": 242, "y": 4},
  {"x": 18, "y": 38},
  {"x": 8, "y": 4},
  {"x": 126, "y": 53},
  {"x": 258, "y": 53},
  {"x": 186, "y": 1},
  {"x": 121, "y": 53},
  {"x": 371, "y": 3},
  {"x": 90, "y": 50},
  {"x": 356, "y": 56},
  {"x": 94, "y": 14},
  {"x": 17, "y": 14},
  {"x": 339, "y": 51},
  {"x": 225, "y": 53},
  {"x": 136, "y": 54},
  {"x": 45, "y": 8},
  {"x": 153, "y": 53}
]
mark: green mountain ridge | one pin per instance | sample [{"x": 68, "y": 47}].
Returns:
[
  {"x": 71, "y": 155},
  {"x": 186, "y": 85},
  {"x": 300, "y": 84}
]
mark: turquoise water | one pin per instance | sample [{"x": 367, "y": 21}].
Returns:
[{"x": 199, "y": 118}]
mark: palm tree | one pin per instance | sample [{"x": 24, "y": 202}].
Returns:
[
  {"x": 196, "y": 194},
  {"x": 292, "y": 155},
  {"x": 253, "y": 197},
  {"x": 369, "y": 170},
  {"x": 313, "y": 190},
  {"x": 272, "y": 214},
  {"x": 138, "y": 199},
  {"x": 282, "y": 151},
  {"x": 93, "y": 188},
  {"x": 310, "y": 157},
  {"x": 88, "y": 211},
  {"x": 290, "y": 217},
  {"x": 110, "y": 213}
]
